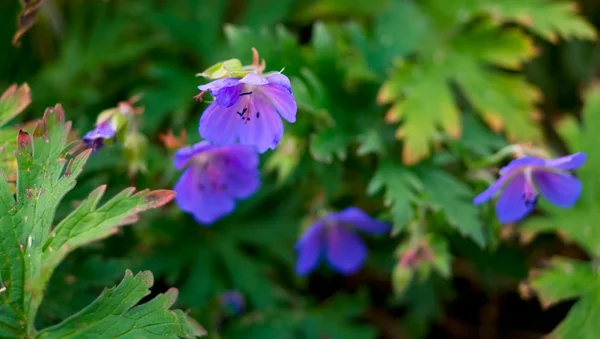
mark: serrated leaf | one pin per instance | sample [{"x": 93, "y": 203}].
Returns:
[
  {"x": 330, "y": 143},
  {"x": 117, "y": 314},
  {"x": 12, "y": 102},
  {"x": 399, "y": 184},
  {"x": 43, "y": 179},
  {"x": 89, "y": 223},
  {"x": 47, "y": 170},
  {"x": 578, "y": 223},
  {"x": 455, "y": 199},
  {"x": 422, "y": 97},
  {"x": 565, "y": 280},
  {"x": 549, "y": 19}
]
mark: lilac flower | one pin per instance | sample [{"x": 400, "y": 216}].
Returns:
[
  {"x": 334, "y": 236},
  {"x": 248, "y": 110},
  {"x": 525, "y": 178},
  {"x": 232, "y": 301},
  {"x": 214, "y": 178},
  {"x": 95, "y": 138}
]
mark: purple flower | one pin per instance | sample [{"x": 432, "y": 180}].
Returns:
[
  {"x": 525, "y": 178},
  {"x": 95, "y": 138},
  {"x": 334, "y": 236},
  {"x": 248, "y": 110},
  {"x": 215, "y": 176},
  {"x": 232, "y": 301}
]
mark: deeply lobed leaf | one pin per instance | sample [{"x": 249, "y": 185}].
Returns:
[
  {"x": 116, "y": 314},
  {"x": 423, "y": 91},
  {"x": 30, "y": 250}
]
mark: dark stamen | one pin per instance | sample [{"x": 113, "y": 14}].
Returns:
[
  {"x": 245, "y": 93},
  {"x": 530, "y": 200},
  {"x": 257, "y": 115}
]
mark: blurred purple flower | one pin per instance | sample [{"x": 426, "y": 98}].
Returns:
[
  {"x": 95, "y": 138},
  {"x": 214, "y": 178},
  {"x": 523, "y": 179},
  {"x": 232, "y": 301},
  {"x": 334, "y": 236},
  {"x": 248, "y": 110}
]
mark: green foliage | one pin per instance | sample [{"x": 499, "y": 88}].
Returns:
[
  {"x": 115, "y": 314},
  {"x": 47, "y": 170},
  {"x": 568, "y": 279},
  {"x": 565, "y": 280},
  {"x": 577, "y": 224},
  {"x": 474, "y": 62},
  {"x": 402, "y": 104}
]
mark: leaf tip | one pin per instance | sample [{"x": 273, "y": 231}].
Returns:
[
  {"x": 146, "y": 278},
  {"x": 171, "y": 297},
  {"x": 159, "y": 198},
  {"x": 23, "y": 139},
  {"x": 410, "y": 157}
]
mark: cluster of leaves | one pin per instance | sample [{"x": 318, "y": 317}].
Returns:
[
  {"x": 568, "y": 278},
  {"x": 32, "y": 249},
  {"x": 398, "y": 101}
]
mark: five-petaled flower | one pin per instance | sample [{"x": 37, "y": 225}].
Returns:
[
  {"x": 523, "y": 179},
  {"x": 334, "y": 236},
  {"x": 104, "y": 130},
  {"x": 215, "y": 176},
  {"x": 248, "y": 110}
]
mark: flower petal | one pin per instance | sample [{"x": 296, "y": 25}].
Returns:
[
  {"x": 361, "y": 221},
  {"x": 569, "y": 162},
  {"x": 226, "y": 91},
  {"x": 105, "y": 130},
  {"x": 196, "y": 196},
  {"x": 254, "y": 79},
  {"x": 511, "y": 206},
  {"x": 280, "y": 80},
  {"x": 345, "y": 251},
  {"x": 244, "y": 156},
  {"x": 524, "y": 161},
  {"x": 264, "y": 128},
  {"x": 561, "y": 189},
  {"x": 309, "y": 248},
  {"x": 219, "y": 124},
  {"x": 183, "y": 155},
  {"x": 282, "y": 100},
  {"x": 492, "y": 190}
]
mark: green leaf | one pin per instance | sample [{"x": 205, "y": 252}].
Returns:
[
  {"x": 454, "y": 198},
  {"x": 31, "y": 250},
  {"x": 327, "y": 8},
  {"x": 333, "y": 319},
  {"x": 567, "y": 279},
  {"x": 424, "y": 101},
  {"x": 330, "y": 143},
  {"x": 266, "y": 12},
  {"x": 285, "y": 159},
  {"x": 12, "y": 102},
  {"x": 400, "y": 185},
  {"x": 549, "y": 19},
  {"x": 578, "y": 223},
  {"x": 117, "y": 314}
]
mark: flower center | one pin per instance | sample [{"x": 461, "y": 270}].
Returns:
[
  {"x": 209, "y": 172},
  {"x": 530, "y": 194},
  {"x": 248, "y": 91}
]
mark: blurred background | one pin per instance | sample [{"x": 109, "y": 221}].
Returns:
[{"x": 461, "y": 79}]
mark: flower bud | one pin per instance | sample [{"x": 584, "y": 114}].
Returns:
[{"x": 135, "y": 148}]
